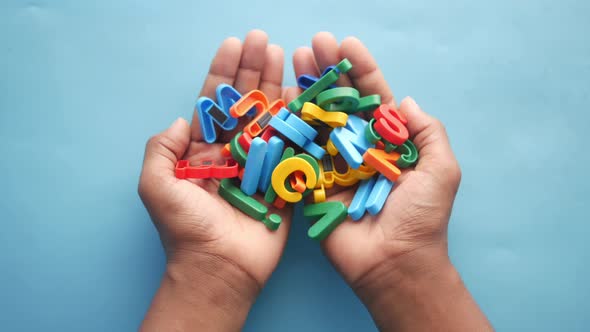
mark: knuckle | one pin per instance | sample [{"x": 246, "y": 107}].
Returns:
[
  {"x": 458, "y": 173},
  {"x": 453, "y": 173},
  {"x": 143, "y": 188},
  {"x": 153, "y": 141},
  {"x": 438, "y": 126},
  {"x": 163, "y": 145}
]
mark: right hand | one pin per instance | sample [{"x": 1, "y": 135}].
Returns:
[{"x": 414, "y": 219}]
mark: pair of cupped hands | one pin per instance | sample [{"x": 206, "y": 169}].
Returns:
[{"x": 209, "y": 242}]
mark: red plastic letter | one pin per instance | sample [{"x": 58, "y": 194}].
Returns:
[{"x": 390, "y": 124}]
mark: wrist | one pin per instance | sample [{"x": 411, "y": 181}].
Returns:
[
  {"x": 401, "y": 275},
  {"x": 420, "y": 291},
  {"x": 202, "y": 292},
  {"x": 213, "y": 277}
]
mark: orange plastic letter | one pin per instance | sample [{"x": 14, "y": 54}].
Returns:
[{"x": 383, "y": 162}]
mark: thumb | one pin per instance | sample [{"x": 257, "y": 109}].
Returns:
[
  {"x": 431, "y": 140},
  {"x": 161, "y": 154}
]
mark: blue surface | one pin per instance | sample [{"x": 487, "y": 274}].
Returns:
[{"x": 83, "y": 85}]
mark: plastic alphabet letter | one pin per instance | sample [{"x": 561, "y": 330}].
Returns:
[
  {"x": 343, "y": 99},
  {"x": 297, "y": 131},
  {"x": 357, "y": 207},
  {"x": 253, "y": 167},
  {"x": 351, "y": 141},
  {"x": 270, "y": 196},
  {"x": 324, "y": 82},
  {"x": 282, "y": 172},
  {"x": 390, "y": 124},
  {"x": 409, "y": 155},
  {"x": 383, "y": 162},
  {"x": 271, "y": 160},
  {"x": 236, "y": 150},
  {"x": 206, "y": 169},
  {"x": 305, "y": 81},
  {"x": 245, "y": 141},
  {"x": 210, "y": 112},
  {"x": 379, "y": 194},
  {"x": 254, "y": 98},
  {"x": 330, "y": 215},
  {"x": 314, "y": 115},
  {"x": 248, "y": 205},
  {"x": 260, "y": 122}
]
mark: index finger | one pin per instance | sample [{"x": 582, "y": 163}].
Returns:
[{"x": 223, "y": 69}]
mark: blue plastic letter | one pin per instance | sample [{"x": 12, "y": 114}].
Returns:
[
  {"x": 357, "y": 207},
  {"x": 351, "y": 141},
  {"x": 271, "y": 160},
  {"x": 253, "y": 167},
  {"x": 379, "y": 194},
  {"x": 210, "y": 112}
]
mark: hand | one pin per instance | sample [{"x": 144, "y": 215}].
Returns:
[
  {"x": 206, "y": 239},
  {"x": 397, "y": 261},
  {"x": 416, "y": 213}
]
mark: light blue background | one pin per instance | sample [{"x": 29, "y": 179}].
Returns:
[{"x": 83, "y": 85}]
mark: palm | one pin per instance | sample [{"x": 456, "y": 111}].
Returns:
[
  {"x": 236, "y": 236},
  {"x": 356, "y": 247},
  {"x": 215, "y": 225},
  {"x": 397, "y": 229}
]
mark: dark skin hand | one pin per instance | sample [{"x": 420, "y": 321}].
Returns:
[
  {"x": 397, "y": 262},
  {"x": 218, "y": 259}
]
